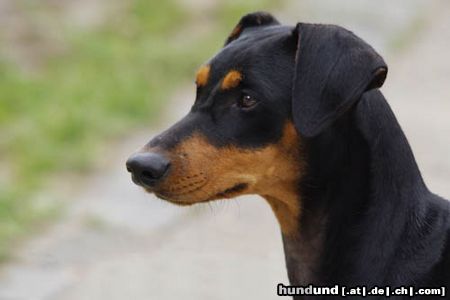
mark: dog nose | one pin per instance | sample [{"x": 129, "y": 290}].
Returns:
[{"x": 147, "y": 168}]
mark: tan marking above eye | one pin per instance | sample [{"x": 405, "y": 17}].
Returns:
[
  {"x": 202, "y": 75},
  {"x": 231, "y": 80}
]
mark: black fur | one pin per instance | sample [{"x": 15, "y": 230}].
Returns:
[
  {"x": 255, "y": 19},
  {"x": 383, "y": 226},
  {"x": 333, "y": 69},
  {"x": 366, "y": 212}
]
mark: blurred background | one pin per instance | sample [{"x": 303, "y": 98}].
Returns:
[{"x": 85, "y": 83}]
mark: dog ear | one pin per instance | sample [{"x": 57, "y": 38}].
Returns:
[
  {"x": 255, "y": 19},
  {"x": 333, "y": 68}
]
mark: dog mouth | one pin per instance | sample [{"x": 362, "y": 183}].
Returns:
[
  {"x": 232, "y": 191},
  {"x": 185, "y": 198}
]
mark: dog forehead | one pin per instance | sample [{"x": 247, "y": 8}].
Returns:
[{"x": 252, "y": 48}]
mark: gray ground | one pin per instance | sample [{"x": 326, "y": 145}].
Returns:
[{"x": 116, "y": 242}]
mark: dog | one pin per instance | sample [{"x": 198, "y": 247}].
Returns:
[{"x": 295, "y": 114}]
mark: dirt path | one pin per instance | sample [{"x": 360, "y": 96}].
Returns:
[{"x": 117, "y": 242}]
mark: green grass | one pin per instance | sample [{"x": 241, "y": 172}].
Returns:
[{"x": 110, "y": 80}]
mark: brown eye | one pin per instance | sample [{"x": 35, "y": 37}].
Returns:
[{"x": 246, "y": 101}]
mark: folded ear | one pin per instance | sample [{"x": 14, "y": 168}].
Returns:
[
  {"x": 255, "y": 19},
  {"x": 333, "y": 68}
]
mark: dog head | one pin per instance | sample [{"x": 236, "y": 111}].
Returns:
[{"x": 269, "y": 89}]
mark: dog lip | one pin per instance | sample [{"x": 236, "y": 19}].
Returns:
[
  {"x": 174, "y": 201},
  {"x": 239, "y": 187},
  {"x": 227, "y": 192},
  {"x": 232, "y": 190}
]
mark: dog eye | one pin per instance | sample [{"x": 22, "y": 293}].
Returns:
[{"x": 246, "y": 101}]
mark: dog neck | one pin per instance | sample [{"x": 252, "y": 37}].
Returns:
[{"x": 361, "y": 194}]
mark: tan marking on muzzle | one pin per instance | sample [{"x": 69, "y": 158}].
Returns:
[{"x": 201, "y": 172}]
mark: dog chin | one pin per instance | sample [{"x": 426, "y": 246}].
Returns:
[
  {"x": 230, "y": 192},
  {"x": 174, "y": 199},
  {"x": 179, "y": 200}
]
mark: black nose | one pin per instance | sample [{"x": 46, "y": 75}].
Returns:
[{"x": 147, "y": 168}]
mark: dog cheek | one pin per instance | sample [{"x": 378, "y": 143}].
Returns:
[
  {"x": 224, "y": 168},
  {"x": 190, "y": 165},
  {"x": 227, "y": 167}
]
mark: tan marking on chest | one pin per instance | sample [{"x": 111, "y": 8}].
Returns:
[{"x": 282, "y": 191}]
